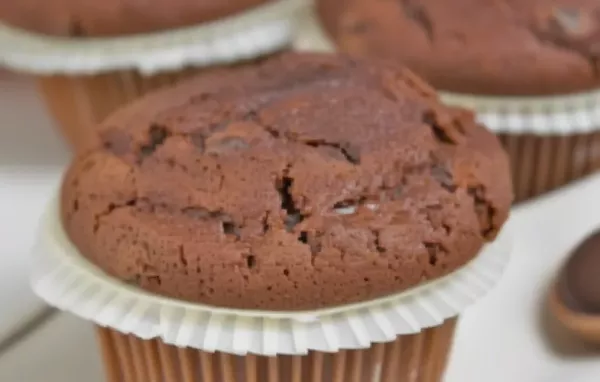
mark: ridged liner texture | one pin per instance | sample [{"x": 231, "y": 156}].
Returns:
[{"x": 413, "y": 358}]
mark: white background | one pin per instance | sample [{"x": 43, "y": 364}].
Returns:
[{"x": 503, "y": 338}]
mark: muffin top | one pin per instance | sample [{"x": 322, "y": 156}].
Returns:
[
  {"x": 484, "y": 47},
  {"x": 300, "y": 182},
  {"x": 98, "y": 18}
]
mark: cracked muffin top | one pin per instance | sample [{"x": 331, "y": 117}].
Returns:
[
  {"x": 94, "y": 18},
  {"x": 300, "y": 182},
  {"x": 486, "y": 47}
]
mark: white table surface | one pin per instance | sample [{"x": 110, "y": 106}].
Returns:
[
  {"x": 503, "y": 338},
  {"x": 31, "y": 159}
]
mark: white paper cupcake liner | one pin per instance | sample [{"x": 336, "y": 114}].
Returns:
[
  {"x": 553, "y": 115},
  {"x": 557, "y": 115},
  {"x": 65, "y": 279},
  {"x": 255, "y": 32}
]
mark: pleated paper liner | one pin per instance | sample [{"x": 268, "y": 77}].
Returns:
[
  {"x": 419, "y": 357},
  {"x": 551, "y": 141},
  {"x": 84, "y": 80}
]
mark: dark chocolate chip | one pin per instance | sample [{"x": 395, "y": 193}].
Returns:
[
  {"x": 433, "y": 249},
  {"x": 430, "y": 119},
  {"x": 229, "y": 228},
  {"x": 157, "y": 136},
  {"x": 414, "y": 11},
  {"x": 303, "y": 237},
  {"x": 293, "y": 216},
  {"x": 251, "y": 261},
  {"x": 443, "y": 176}
]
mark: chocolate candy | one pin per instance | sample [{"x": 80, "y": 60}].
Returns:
[{"x": 579, "y": 282}]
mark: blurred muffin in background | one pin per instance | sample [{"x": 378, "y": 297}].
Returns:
[
  {"x": 530, "y": 68},
  {"x": 93, "y": 18},
  {"x": 93, "y": 56}
]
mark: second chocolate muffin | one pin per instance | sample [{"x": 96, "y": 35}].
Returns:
[
  {"x": 302, "y": 182},
  {"x": 93, "y": 18},
  {"x": 509, "y": 47},
  {"x": 528, "y": 68}
]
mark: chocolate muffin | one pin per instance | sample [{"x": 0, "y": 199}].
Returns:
[
  {"x": 80, "y": 18},
  {"x": 300, "y": 182},
  {"x": 508, "y": 47}
]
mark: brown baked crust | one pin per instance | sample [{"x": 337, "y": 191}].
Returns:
[
  {"x": 224, "y": 189},
  {"x": 495, "y": 47},
  {"x": 97, "y": 18}
]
